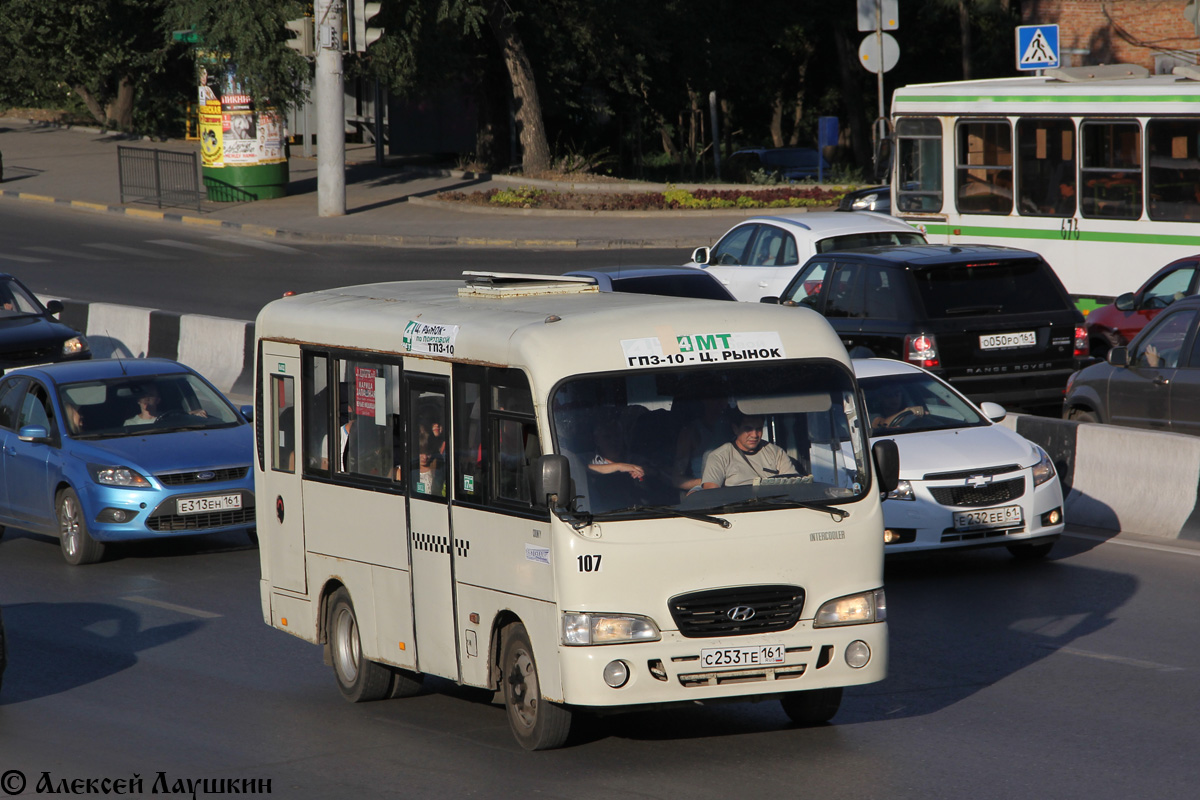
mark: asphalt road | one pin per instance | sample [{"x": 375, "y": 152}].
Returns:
[
  {"x": 1069, "y": 678},
  {"x": 176, "y": 267}
]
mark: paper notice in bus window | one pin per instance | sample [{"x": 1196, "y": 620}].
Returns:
[
  {"x": 364, "y": 391},
  {"x": 424, "y": 338},
  {"x": 705, "y": 348}
]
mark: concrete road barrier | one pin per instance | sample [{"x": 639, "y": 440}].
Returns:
[
  {"x": 220, "y": 349},
  {"x": 1122, "y": 479}
]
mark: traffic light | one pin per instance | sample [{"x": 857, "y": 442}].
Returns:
[
  {"x": 362, "y": 35},
  {"x": 302, "y": 35}
]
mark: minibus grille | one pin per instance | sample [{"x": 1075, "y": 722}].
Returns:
[
  {"x": 984, "y": 496},
  {"x": 737, "y": 611}
]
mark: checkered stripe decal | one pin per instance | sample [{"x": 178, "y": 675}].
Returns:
[{"x": 430, "y": 542}]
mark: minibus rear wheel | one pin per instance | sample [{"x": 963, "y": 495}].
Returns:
[
  {"x": 537, "y": 723},
  {"x": 360, "y": 679},
  {"x": 812, "y": 707}
]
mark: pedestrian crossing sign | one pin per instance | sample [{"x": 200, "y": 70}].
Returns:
[{"x": 1037, "y": 47}]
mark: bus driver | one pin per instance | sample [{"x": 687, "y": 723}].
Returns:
[{"x": 747, "y": 458}]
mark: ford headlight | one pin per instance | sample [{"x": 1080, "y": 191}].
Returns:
[
  {"x": 74, "y": 346},
  {"x": 585, "y": 629},
  {"x": 1043, "y": 470},
  {"x": 854, "y": 609},
  {"x": 118, "y": 476},
  {"x": 903, "y": 491}
]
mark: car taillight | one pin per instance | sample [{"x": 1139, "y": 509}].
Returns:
[
  {"x": 921, "y": 349},
  {"x": 1082, "y": 349}
]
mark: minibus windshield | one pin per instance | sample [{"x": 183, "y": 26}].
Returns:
[{"x": 744, "y": 438}]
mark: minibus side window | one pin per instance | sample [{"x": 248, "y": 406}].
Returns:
[
  {"x": 315, "y": 383},
  {"x": 518, "y": 449},
  {"x": 469, "y": 441},
  {"x": 283, "y": 423},
  {"x": 370, "y": 428}
]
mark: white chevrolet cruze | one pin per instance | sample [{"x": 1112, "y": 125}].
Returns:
[
  {"x": 964, "y": 480},
  {"x": 756, "y": 258}
]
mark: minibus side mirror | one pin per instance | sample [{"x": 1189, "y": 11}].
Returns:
[
  {"x": 887, "y": 464},
  {"x": 552, "y": 481}
]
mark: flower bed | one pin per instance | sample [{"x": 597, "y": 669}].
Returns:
[{"x": 530, "y": 197}]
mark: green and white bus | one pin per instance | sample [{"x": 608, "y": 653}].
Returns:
[
  {"x": 490, "y": 481},
  {"x": 1096, "y": 168}
]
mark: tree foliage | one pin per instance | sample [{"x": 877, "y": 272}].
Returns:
[{"x": 591, "y": 82}]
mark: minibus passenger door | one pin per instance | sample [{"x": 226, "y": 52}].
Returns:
[
  {"x": 431, "y": 544},
  {"x": 278, "y": 492}
]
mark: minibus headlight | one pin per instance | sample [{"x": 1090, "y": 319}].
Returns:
[
  {"x": 585, "y": 629},
  {"x": 903, "y": 491},
  {"x": 1044, "y": 469},
  {"x": 854, "y": 609},
  {"x": 118, "y": 476}
]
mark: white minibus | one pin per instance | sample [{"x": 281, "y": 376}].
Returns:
[{"x": 523, "y": 484}]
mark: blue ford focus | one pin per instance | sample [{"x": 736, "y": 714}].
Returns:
[{"x": 119, "y": 450}]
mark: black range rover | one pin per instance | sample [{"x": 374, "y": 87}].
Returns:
[{"x": 995, "y": 322}]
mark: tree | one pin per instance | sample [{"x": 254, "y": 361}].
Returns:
[
  {"x": 101, "y": 49},
  {"x": 248, "y": 38}
]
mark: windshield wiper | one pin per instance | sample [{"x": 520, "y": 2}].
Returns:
[
  {"x": 838, "y": 514},
  {"x": 674, "y": 512}
]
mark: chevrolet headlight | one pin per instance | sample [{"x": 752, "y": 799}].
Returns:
[
  {"x": 1044, "y": 469},
  {"x": 854, "y": 609},
  {"x": 585, "y": 629},
  {"x": 74, "y": 346},
  {"x": 903, "y": 491},
  {"x": 119, "y": 476}
]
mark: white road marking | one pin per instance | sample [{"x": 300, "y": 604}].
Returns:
[
  {"x": 25, "y": 259},
  {"x": 1128, "y": 662},
  {"x": 133, "y": 251},
  {"x": 276, "y": 248},
  {"x": 197, "y": 248},
  {"x": 54, "y": 251},
  {"x": 193, "y": 612},
  {"x": 1162, "y": 548}
]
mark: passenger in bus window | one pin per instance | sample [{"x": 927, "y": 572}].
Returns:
[
  {"x": 430, "y": 478},
  {"x": 747, "y": 459},
  {"x": 609, "y": 457},
  {"x": 705, "y": 430}
]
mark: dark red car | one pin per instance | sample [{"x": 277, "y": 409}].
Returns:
[{"x": 1115, "y": 324}]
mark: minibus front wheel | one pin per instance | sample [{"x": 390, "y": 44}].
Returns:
[
  {"x": 812, "y": 707},
  {"x": 360, "y": 679},
  {"x": 537, "y": 723}
]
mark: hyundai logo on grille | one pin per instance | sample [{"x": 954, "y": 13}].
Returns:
[
  {"x": 205, "y": 476},
  {"x": 740, "y": 613},
  {"x": 979, "y": 481}
]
